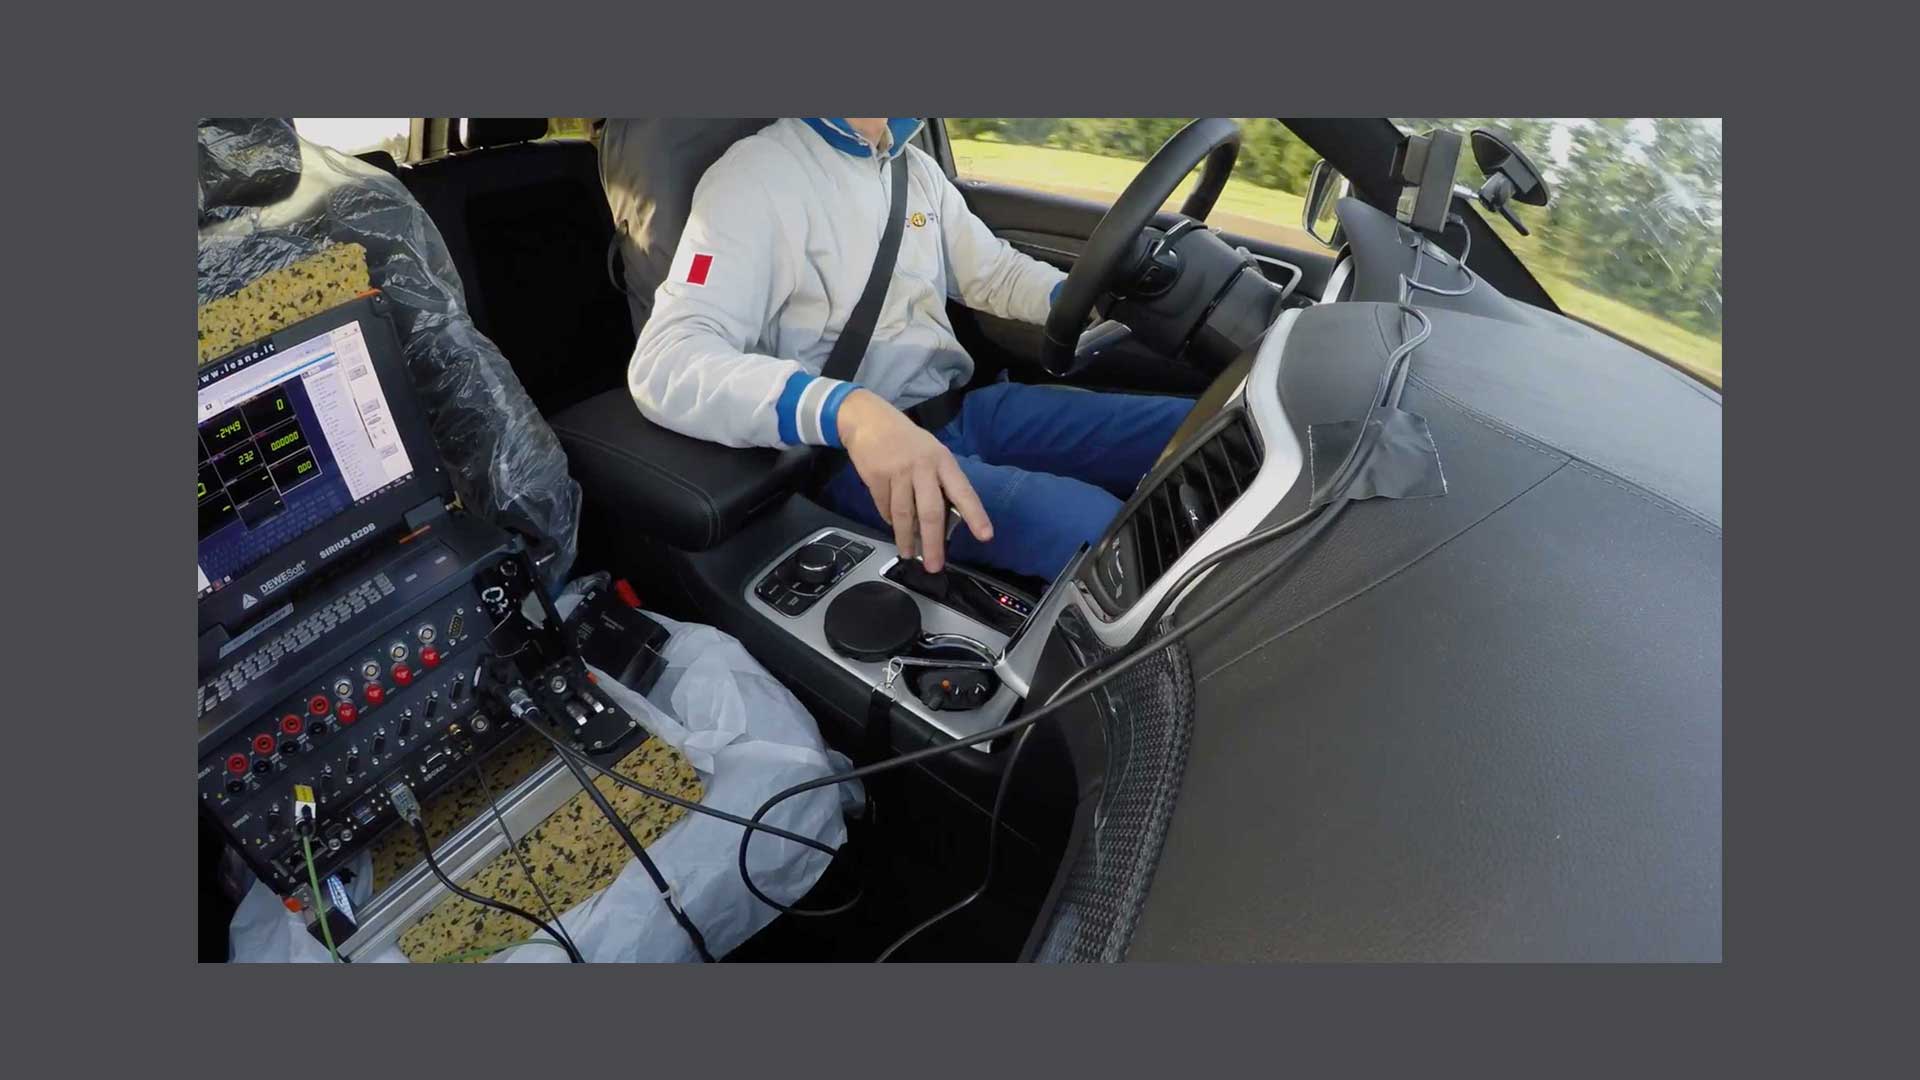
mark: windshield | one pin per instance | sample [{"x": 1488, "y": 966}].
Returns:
[{"x": 1630, "y": 239}]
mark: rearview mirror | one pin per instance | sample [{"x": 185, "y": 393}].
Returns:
[{"x": 1324, "y": 188}]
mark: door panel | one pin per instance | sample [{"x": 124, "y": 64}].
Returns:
[{"x": 1054, "y": 228}]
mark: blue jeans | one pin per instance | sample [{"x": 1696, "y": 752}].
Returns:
[{"x": 1051, "y": 466}]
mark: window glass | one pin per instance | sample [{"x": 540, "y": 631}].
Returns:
[
  {"x": 1630, "y": 239},
  {"x": 357, "y": 135},
  {"x": 1096, "y": 157},
  {"x": 570, "y": 127}
]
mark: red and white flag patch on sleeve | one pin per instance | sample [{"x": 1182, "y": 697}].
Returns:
[{"x": 698, "y": 268}]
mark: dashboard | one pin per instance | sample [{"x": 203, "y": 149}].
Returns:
[{"x": 1401, "y": 748}]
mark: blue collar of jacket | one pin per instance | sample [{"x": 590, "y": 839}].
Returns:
[{"x": 841, "y": 136}]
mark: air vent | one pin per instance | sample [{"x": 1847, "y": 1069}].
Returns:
[{"x": 1177, "y": 509}]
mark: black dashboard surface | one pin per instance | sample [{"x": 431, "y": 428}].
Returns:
[{"x": 1485, "y": 726}]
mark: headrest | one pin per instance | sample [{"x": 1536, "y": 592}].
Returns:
[
  {"x": 248, "y": 161},
  {"x": 480, "y": 132}
]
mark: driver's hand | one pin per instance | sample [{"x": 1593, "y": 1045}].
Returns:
[{"x": 910, "y": 475}]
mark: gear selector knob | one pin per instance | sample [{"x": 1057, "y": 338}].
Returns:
[
  {"x": 813, "y": 564},
  {"x": 933, "y": 586}
]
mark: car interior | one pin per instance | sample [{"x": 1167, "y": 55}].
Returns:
[{"x": 1264, "y": 784}]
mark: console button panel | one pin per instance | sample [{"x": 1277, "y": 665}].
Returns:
[{"x": 798, "y": 581}]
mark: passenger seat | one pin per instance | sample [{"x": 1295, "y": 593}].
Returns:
[{"x": 527, "y": 226}]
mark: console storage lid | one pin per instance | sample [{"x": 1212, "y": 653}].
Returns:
[{"x": 690, "y": 493}]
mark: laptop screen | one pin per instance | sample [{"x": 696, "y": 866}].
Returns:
[{"x": 290, "y": 438}]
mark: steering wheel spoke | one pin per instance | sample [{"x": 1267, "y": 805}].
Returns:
[
  {"x": 1095, "y": 342},
  {"x": 1117, "y": 241}
]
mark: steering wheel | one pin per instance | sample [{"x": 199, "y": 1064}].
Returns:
[{"x": 1114, "y": 248}]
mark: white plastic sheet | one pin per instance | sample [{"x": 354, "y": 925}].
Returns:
[{"x": 749, "y": 738}]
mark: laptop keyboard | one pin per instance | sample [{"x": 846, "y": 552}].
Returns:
[{"x": 294, "y": 640}]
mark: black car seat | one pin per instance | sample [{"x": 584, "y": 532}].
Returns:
[
  {"x": 527, "y": 226},
  {"x": 649, "y": 168},
  {"x": 689, "y": 494}
]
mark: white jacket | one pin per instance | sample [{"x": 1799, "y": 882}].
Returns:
[{"x": 781, "y": 239}]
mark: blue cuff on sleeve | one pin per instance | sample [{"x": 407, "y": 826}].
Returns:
[
  {"x": 1053, "y": 296},
  {"x": 785, "y": 410},
  {"x": 830, "y": 412}
]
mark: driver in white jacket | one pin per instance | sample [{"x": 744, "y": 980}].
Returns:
[{"x": 783, "y": 233}]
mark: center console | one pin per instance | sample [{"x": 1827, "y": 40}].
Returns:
[{"x": 929, "y": 641}]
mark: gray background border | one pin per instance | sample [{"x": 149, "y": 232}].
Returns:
[{"x": 1811, "y": 740}]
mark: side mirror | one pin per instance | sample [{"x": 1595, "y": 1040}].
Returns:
[{"x": 1324, "y": 188}]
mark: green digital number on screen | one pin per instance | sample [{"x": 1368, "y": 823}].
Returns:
[
  {"x": 230, "y": 429},
  {"x": 284, "y": 441}
]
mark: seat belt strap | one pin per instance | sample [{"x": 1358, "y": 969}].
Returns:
[{"x": 851, "y": 346}]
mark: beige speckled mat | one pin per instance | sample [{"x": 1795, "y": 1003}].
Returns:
[
  {"x": 574, "y": 852},
  {"x": 279, "y": 298}
]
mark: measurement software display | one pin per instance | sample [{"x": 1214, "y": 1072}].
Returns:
[{"x": 287, "y": 440}]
